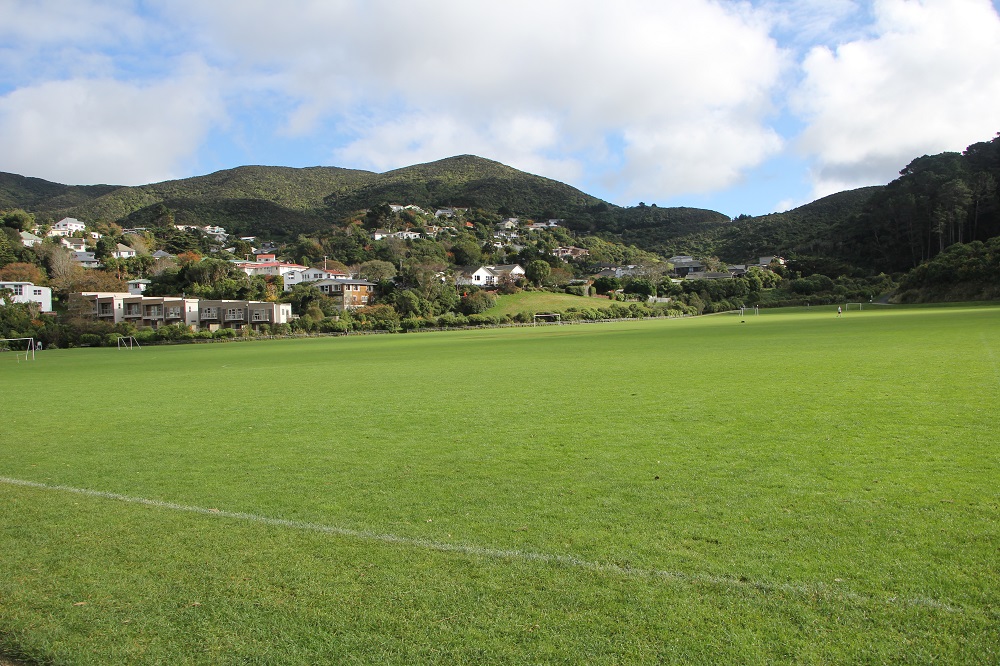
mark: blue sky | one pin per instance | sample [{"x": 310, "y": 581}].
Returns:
[{"x": 740, "y": 107}]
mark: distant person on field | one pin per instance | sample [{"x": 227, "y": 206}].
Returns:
[{"x": 839, "y": 311}]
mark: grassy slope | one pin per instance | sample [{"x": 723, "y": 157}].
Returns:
[
  {"x": 798, "y": 487},
  {"x": 542, "y": 301}
]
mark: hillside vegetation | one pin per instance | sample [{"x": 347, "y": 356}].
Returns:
[{"x": 937, "y": 201}]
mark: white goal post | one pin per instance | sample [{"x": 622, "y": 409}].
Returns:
[
  {"x": 128, "y": 342},
  {"x": 28, "y": 351},
  {"x": 848, "y": 306},
  {"x": 550, "y": 316}
]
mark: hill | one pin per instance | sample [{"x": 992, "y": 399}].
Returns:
[{"x": 937, "y": 201}]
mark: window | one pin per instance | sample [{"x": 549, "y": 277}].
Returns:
[
  {"x": 18, "y": 289},
  {"x": 234, "y": 313}
]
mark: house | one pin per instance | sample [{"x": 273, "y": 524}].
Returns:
[
  {"x": 295, "y": 277},
  {"x": 488, "y": 276},
  {"x": 379, "y": 234},
  {"x": 29, "y": 239},
  {"x": 737, "y": 270},
  {"x": 75, "y": 244},
  {"x": 617, "y": 271},
  {"x": 122, "y": 252},
  {"x": 86, "y": 259},
  {"x": 450, "y": 211},
  {"x": 508, "y": 225},
  {"x": 764, "y": 262},
  {"x": 136, "y": 287},
  {"x": 215, "y": 233},
  {"x": 396, "y": 208},
  {"x": 67, "y": 227},
  {"x": 571, "y": 252},
  {"x": 707, "y": 275},
  {"x": 267, "y": 264},
  {"x": 29, "y": 292},
  {"x": 160, "y": 254},
  {"x": 349, "y": 294},
  {"x": 684, "y": 264}
]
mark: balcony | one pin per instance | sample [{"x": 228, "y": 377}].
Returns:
[
  {"x": 209, "y": 313},
  {"x": 234, "y": 315},
  {"x": 260, "y": 316}
]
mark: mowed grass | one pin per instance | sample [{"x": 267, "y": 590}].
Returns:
[
  {"x": 796, "y": 488},
  {"x": 542, "y": 301}
]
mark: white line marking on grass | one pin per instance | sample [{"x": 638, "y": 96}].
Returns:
[{"x": 818, "y": 589}]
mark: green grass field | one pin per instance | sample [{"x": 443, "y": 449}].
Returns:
[
  {"x": 796, "y": 488},
  {"x": 542, "y": 301}
]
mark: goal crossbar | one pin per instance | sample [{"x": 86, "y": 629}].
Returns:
[
  {"x": 28, "y": 352},
  {"x": 543, "y": 315},
  {"x": 128, "y": 342}
]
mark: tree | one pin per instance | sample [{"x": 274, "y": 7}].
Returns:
[
  {"x": 467, "y": 253},
  {"x": 606, "y": 283},
  {"x": 376, "y": 271},
  {"x": 477, "y": 302},
  {"x": 22, "y": 272},
  {"x": 537, "y": 271},
  {"x": 18, "y": 219}
]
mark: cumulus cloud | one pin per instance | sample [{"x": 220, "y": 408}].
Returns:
[
  {"x": 521, "y": 81},
  {"x": 85, "y": 131},
  {"x": 924, "y": 82}
]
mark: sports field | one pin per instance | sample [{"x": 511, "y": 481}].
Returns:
[{"x": 796, "y": 488}]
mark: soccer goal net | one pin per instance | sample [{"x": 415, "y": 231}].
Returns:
[
  {"x": 21, "y": 349},
  {"x": 551, "y": 317},
  {"x": 128, "y": 342},
  {"x": 858, "y": 306}
]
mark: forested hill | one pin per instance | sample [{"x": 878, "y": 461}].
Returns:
[
  {"x": 284, "y": 201},
  {"x": 37, "y": 195},
  {"x": 937, "y": 201}
]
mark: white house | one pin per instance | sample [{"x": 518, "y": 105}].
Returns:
[
  {"x": 29, "y": 239},
  {"x": 267, "y": 264},
  {"x": 299, "y": 276},
  {"x": 75, "y": 244},
  {"x": 136, "y": 287},
  {"x": 123, "y": 252},
  {"x": 28, "y": 292},
  {"x": 489, "y": 276},
  {"x": 67, "y": 227},
  {"x": 215, "y": 233}
]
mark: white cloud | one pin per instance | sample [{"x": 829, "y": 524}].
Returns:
[
  {"x": 85, "y": 131},
  {"x": 924, "y": 83},
  {"x": 522, "y": 80}
]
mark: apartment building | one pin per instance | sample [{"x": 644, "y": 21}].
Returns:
[{"x": 198, "y": 314}]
